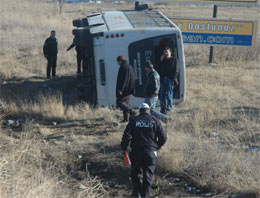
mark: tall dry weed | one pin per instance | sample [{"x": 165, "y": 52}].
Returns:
[{"x": 30, "y": 168}]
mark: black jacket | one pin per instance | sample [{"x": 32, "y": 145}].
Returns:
[
  {"x": 169, "y": 69},
  {"x": 145, "y": 132},
  {"x": 152, "y": 85},
  {"x": 79, "y": 49},
  {"x": 50, "y": 47},
  {"x": 125, "y": 80}
]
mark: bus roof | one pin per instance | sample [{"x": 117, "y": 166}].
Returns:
[{"x": 118, "y": 20}]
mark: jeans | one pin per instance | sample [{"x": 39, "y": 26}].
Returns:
[
  {"x": 166, "y": 95},
  {"x": 152, "y": 104}
]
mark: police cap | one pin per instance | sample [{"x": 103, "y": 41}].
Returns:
[{"x": 144, "y": 106}]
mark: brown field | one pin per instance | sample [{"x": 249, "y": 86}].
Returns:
[{"x": 56, "y": 148}]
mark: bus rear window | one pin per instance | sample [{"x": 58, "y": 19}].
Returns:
[{"x": 148, "y": 49}]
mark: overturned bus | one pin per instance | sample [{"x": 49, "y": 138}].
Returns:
[{"x": 139, "y": 36}]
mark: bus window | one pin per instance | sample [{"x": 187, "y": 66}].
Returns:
[{"x": 102, "y": 72}]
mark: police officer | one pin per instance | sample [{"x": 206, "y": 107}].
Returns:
[
  {"x": 80, "y": 55},
  {"x": 146, "y": 135},
  {"x": 50, "y": 51}
]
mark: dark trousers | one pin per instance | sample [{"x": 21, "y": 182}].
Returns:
[
  {"x": 123, "y": 104},
  {"x": 51, "y": 66},
  {"x": 79, "y": 63},
  {"x": 142, "y": 162}
]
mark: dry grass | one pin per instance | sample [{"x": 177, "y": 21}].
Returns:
[
  {"x": 24, "y": 27},
  {"x": 210, "y": 135},
  {"x": 30, "y": 167},
  {"x": 51, "y": 107}
]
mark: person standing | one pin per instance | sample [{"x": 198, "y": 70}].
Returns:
[
  {"x": 147, "y": 136},
  {"x": 168, "y": 70},
  {"x": 80, "y": 56},
  {"x": 50, "y": 51},
  {"x": 124, "y": 87},
  {"x": 151, "y": 90}
]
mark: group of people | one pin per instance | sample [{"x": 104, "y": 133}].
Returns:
[
  {"x": 144, "y": 132},
  {"x": 159, "y": 84},
  {"x": 50, "y": 51}
]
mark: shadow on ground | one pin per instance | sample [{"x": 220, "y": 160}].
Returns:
[{"x": 24, "y": 90}]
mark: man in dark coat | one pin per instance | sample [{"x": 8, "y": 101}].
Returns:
[
  {"x": 168, "y": 70},
  {"x": 80, "y": 55},
  {"x": 124, "y": 87},
  {"x": 147, "y": 136},
  {"x": 50, "y": 51}
]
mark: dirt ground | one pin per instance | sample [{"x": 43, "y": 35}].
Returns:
[{"x": 89, "y": 148}]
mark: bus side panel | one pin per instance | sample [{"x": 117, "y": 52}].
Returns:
[
  {"x": 122, "y": 46},
  {"x": 113, "y": 48},
  {"x": 182, "y": 72},
  {"x": 119, "y": 46},
  {"x": 101, "y": 76}
]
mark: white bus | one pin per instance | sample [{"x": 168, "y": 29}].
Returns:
[{"x": 137, "y": 35}]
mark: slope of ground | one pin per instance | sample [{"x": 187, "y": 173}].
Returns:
[
  {"x": 88, "y": 142},
  {"x": 90, "y": 147}
]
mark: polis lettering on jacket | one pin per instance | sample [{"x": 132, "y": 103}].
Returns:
[{"x": 144, "y": 124}]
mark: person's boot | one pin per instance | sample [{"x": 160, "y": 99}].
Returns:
[{"x": 125, "y": 114}]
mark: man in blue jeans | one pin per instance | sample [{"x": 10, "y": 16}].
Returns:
[
  {"x": 151, "y": 90},
  {"x": 168, "y": 71}
]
